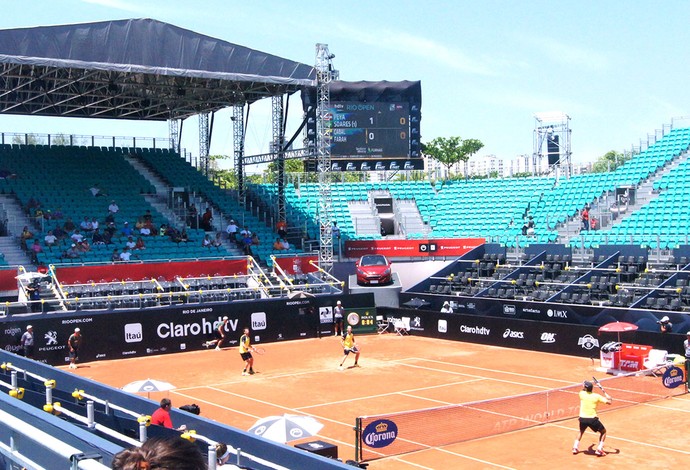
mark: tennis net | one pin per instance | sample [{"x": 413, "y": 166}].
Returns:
[{"x": 397, "y": 433}]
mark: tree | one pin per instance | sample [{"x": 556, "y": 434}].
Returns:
[
  {"x": 452, "y": 150},
  {"x": 608, "y": 162},
  {"x": 28, "y": 139}
]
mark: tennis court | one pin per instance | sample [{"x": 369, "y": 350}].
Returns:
[{"x": 410, "y": 373}]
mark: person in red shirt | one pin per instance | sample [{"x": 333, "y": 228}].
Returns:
[{"x": 161, "y": 417}]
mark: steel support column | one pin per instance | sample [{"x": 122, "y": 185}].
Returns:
[
  {"x": 238, "y": 146},
  {"x": 278, "y": 144}
]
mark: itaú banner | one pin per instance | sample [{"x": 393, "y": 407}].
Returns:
[{"x": 412, "y": 248}]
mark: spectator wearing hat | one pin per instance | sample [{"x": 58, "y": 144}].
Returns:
[
  {"x": 231, "y": 230},
  {"x": 338, "y": 315},
  {"x": 27, "y": 342},
  {"x": 665, "y": 325},
  {"x": 74, "y": 343},
  {"x": 446, "y": 308}
]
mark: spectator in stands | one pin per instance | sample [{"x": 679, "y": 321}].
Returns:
[
  {"x": 32, "y": 204},
  {"x": 109, "y": 231},
  {"x": 231, "y": 230},
  {"x": 183, "y": 237},
  {"x": 113, "y": 208},
  {"x": 115, "y": 257},
  {"x": 83, "y": 246},
  {"x": 126, "y": 230},
  {"x": 36, "y": 248},
  {"x": 282, "y": 229},
  {"x": 247, "y": 244},
  {"x": 85, "y": 225},
  {"x": 126, "y": 255},
  {"x": 110, "y": 218},
  {"x": 218, "y": 241},
  {"x": 285, "y": 243},
  {"x": 278, "y": 245},
  {"x": 593, "y": 223},
  {"x": 156, "y": 453},
  {"x": 207, "y": 220},
  {"x": 223, "y": 456},
  {"x": 584, "y": 215},
  {"x": 147, "y": 229},
  {"x": 161, "y": 417},
  {"x": 139, "y": 245},
  {"x": 97, "y": 238},
  {"x": 69, "y": 225},
  {"x": 147, "y": 217},
  {"x": 335, "y": 231},
  {"x": 77, "y": 236},
  {"x": 255, "y": 239},
  {"x": 59, "y": 233},
  {"x": 130, "y": 243},
  {"x": 245, "y": 232},
  {"x": 71, "y": 252},
  {"x": 192, "y": 217},
  {"x": 446, "y": 308},
  {"x": 206, "y": 242},
  {"x": 94, "y": 224},
  {"x": 24, "y": 238},
  {"x": 50, "y": 239},
  {"x": 96, "y": 191},
  {"x": 162, "y": 230}
]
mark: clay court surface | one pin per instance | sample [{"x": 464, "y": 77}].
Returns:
[{"x": 407, "y": 373}]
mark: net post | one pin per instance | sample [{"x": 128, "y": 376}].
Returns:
[{"x": 358, "y": 436}]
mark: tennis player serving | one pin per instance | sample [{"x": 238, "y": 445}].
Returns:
[
  {"x": 245, "y": 353},
  {"x": 349, "y": 346},
  {"x": 588, "y": 415}
]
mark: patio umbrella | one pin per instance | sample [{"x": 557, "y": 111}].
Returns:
[
  {"x": 29, "y": 276},
  {"x": 286, "y": 428},
  {"x": 617, "y": 327},
  {"x": 148, "y": 386}
]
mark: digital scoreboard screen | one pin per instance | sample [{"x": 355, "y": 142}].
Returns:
[
  {"x": 372, "y": 126},
  {"x": 372, "y": 130}
]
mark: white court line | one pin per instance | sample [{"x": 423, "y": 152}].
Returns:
[
  {"x": 234, "y": 410},
  {"x": 623, "y": 439},
  {"x": 388, "y": 394},
  {"x": 478, "y": 376},
  {"x": 486, "y": 369}
]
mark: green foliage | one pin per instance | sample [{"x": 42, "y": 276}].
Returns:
[
  {"x": 452, "y": 150},
  {"x": 609, "y": 162},
  {"x": 523, "y": 174}
]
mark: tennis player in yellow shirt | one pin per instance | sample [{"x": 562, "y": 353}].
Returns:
[
  {"x": 588, "y": 416},
  {"x": 245, "y": 352},
  {"x": 349, "y": 346}
]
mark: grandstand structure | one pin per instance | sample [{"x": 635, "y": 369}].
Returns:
[{"x": 536, "y": 263}]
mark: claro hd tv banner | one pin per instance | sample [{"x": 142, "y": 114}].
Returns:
[{"x": 412, "y": 248}]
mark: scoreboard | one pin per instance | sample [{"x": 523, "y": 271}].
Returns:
[
  {"x": 369, "y": 126},
  {"x": 366, "y": 129}
]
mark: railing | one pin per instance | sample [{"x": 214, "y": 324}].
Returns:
[
  {"x": 64, "y": 453},
  {"x": 84, "y": 140}
]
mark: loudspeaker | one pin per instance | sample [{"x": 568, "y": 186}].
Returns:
[{"x": 553, "y": 149}]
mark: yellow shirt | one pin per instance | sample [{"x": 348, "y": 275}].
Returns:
[
  {"x": 588, "y": 404},
  {"x": 349, "y": 341},
  {"x": 245, "y": 344}
]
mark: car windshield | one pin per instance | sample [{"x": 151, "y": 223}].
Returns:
[{"x": 373, "y": 260}]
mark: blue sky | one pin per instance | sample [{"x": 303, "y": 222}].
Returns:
[{"x": 618, "y": 69}]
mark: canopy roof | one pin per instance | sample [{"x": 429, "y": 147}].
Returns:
[{"x": 135, "y": 69}]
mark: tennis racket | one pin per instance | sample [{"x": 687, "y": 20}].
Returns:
[
  {"x": 598, "y": 384},
  {"x": 259, "y": 350}
]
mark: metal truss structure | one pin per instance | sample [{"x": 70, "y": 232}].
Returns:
[{"x": 553, "y": 128}]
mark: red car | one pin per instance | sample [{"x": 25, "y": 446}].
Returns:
[{"x": 373, "y": 269}]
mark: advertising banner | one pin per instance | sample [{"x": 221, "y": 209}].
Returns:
[{"x": 412, "y": 248}]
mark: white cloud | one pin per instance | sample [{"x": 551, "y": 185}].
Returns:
[
  {"x": 575, "y": 57},
  {"x": 405, "y": 43}
]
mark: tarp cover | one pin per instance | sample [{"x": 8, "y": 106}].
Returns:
[{"x": 146, "y": 46}]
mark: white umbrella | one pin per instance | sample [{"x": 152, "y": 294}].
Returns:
[
  {"x": 286, "y": 428},
  {"x": 29, "y": 276},
  {"x": 148, "y": 386}
]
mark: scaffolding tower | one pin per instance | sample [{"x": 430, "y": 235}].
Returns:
[{"x": 552, "y": 135}]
